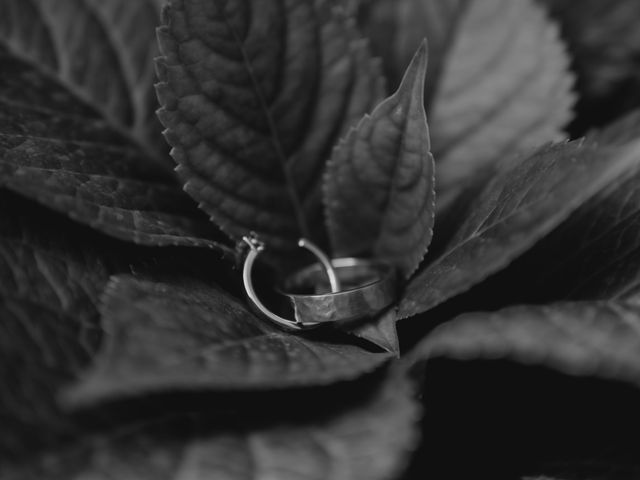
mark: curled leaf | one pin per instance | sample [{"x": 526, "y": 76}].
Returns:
[{"x": 379, "y": 186}]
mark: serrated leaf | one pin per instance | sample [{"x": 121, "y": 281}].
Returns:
[
  {"x": 605, "y": 43},
  {"x": 253, "y": 107},
  {"x": 102, "y": 51},
  {"x": 517, "y": 209},
  {"x": 367, "y": 441},
  {"x": 499, "y": 83},
  {"x": 49, "y": 324},
  {"x": 379, "y": 185},
  {"x": 204, "y": 339},
  {"x": 588, "y": 339},
  {"x": 596, "y": 253},
  {"x": 56, "y": 151}
]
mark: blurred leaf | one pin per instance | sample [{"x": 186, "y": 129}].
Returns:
[
  {"x": 370, "y": 440},
  {"x": 191, "y": 336},
  {"x": 379, "y": 186},
  {"x": 56, "y": 151},
  {"x": 100, "y": 51},
  {"x": 253, "y": 108},
  {"x": 605, "y": 41},
  {"x": 521, "y": 206},
  {"x": 49, "y": 325},
  {"x": 599, "y": 339},
  {"x": 499, "y": 79}
]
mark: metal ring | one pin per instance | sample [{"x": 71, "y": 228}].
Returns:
[
  {"x": 255, "y": 248},
  {"x": 371, "y": 287}
]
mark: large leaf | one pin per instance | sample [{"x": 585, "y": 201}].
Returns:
[
  {"x": 370, "y": 440},
  {"x": 499, "y": 81},
  {"x": 592, "y": 338},
  {"x": 49, "y": 323},
  {"x": 58, "y": 152},
  {"x": 379, "y": 186},
  {"x": 595, "y": 254},
  {"x": 185, "y": 335},
  {"x": 516, "y": 210},
  {"x": 254, "y": 96},
  {"x": 102, "y": 51}
]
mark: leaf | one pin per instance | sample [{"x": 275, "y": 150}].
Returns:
[
  {"x": 604, "y": 41},
  {"x": 253, "y": 108},
  {"x": 379, "y": 186},
  {"x": 516, "y": 210},
  {"x": 100, "y": 51},
  {"x": 595, "y": 254},
  {"x": 56, "y": 151},
  {"x": 188, "y": 335},
  {"x": 599, "y": 339},
  {"x": 49, "y": 325},
  {"x": 499, "y": 79},
  {"x": 381, "y": 332},
  {"x": 368, "y": 441}
]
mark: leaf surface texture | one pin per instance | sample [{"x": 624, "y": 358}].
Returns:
[
  {"x": 499, "y": 80},
  {"x": 204, "y": 339},
  {"x": 379, "y": 186},
  {"x": 58, "y": 152},
  {"x": 254, "y": 95},
  {"x": 518, "y": 208}
]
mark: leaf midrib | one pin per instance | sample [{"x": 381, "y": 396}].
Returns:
[{"x": 290, "y": 184}]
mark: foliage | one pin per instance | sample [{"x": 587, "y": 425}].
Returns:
[{"x": 127, "y": 349}]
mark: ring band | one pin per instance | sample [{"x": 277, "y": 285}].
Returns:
[
  {"x": 370, "y": 288},
  {"x": 255, "y": 248}
]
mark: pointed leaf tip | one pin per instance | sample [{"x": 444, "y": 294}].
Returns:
[
  {"x": 485, "y": 101},
  {"x": 413, "y": 81},
  {"x": 379, "y": 187}
]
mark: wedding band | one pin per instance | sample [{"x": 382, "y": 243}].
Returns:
[
  {"x": 370, "y": 288},
  {"x": 255, "y": 248}
]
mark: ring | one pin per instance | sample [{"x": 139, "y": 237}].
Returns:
[
  {"x": 370, "y": 288},
  {"x": 255, "y": 248}
]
